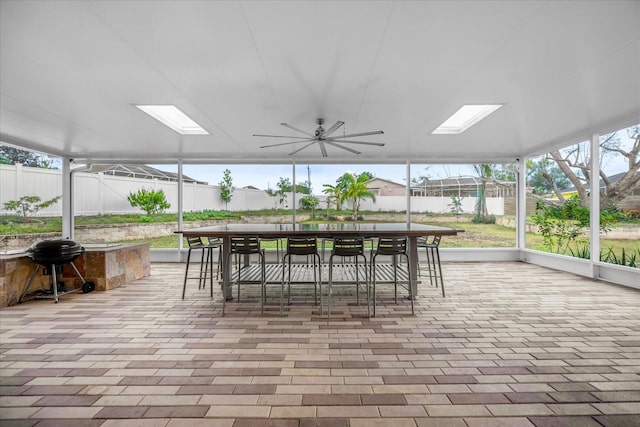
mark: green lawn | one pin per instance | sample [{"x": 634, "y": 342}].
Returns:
[{"x": 474, "y": 235}]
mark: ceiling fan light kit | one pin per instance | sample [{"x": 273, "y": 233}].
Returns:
[{"x": 322, "y": 138}]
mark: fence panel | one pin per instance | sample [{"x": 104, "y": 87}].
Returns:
[{"x": 103, "y": 194}]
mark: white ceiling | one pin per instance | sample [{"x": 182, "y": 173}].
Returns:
[{"x": 70, "y": 73}]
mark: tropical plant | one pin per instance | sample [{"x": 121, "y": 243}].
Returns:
[
  {"x": 150, "y": 201},
  {"x": 334, "y": 196},
  {"x": 226, "y": 187},
  {"x": 626, "y": 259},
  {"x": 27, "y": 206},
  {"x": 455, "y": 207},
  {"x": 356, "y": 190}
]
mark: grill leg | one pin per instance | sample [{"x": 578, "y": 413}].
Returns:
[
  {"x": 33, "y": 274},
  {"x": 54, "y": 276}
]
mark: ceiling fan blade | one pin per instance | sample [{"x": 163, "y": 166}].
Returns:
[
  {"x": 342, "y": 147},
  {"x": 277, "y": 136},
  {"x": 375, "y": 132},
  {"x": 301, "y": 148},
  {"x": 296, "y": 129},
  {"x": 333, "y": 128},
  {"x": 286, "y": 143},
  {"x": 323, "y": 149},
  {"x": 348, "y": 141}
]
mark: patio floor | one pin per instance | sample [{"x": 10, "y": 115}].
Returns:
[{"x": 512, "y": 344}]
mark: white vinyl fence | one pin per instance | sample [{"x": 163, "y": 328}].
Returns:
[{"x": 96, "y": 194}]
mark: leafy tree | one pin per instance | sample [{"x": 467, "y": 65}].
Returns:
[
  {"x": 575, "y": 162},
  {"x": 284, "y": 186},
  {"x": 150, "y": 201},
  {"x": 27, "y": 206},
  {"x": 356, "y": 190},
  {"x": 421, "y": 180},
  {"x": 506, "y": 172},
  {"x": 309, "y": 202},
  {"x": 10, "y": 155},
  {"x": 545, "y": 177},
  {"x": 226, "y": 188}
]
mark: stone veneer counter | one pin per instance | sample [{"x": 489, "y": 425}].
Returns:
[{"x": 109, "y": 266}]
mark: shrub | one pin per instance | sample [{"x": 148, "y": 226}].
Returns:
[
  {"x": 27, "y": 206},
  {"x": 150, "y": 201},
  {"x": 484, "y": 219}
]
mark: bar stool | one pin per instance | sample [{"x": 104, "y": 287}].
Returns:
[
  {"x": 433, "y": 260},
  {"x": 346, "y": 247},
  {"x": 247, "y": 245},
  {"x": 303, "y": 246},
  {"x": 214, "y": 243},
  {"x": 197, "y": 244},
  {"x": 394, "y": 247},
  {"x": 278, "y": 240}
]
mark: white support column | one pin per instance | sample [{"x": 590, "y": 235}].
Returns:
[
  {"x": 521, "y": 205},
  {"x": 67, "y": 199},
  {"x": 180, "y": 202},
  {"x": 294, "y": 193},
  {"x": 594, "y": 243},
  {"x": 408, "y": 192},
  {"x": 101, "y": 193}
]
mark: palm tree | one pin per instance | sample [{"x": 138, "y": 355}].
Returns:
[
  {"x": 355, "y": 190},
  {"x": 334, "y": 194},
  {"x": 485, "y": 173}
]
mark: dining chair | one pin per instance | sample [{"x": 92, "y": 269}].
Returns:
[
  {"x": 308, "y": 247},
  {"x": 196, "y": 243},
  {"x": 348, "y": 247},
  {"x": 434, "y": 267},
  {"x": 394, "y": 247},
  {"x": 247, "y": 245}
]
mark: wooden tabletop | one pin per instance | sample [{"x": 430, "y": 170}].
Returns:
[{"x": 322, "y": 230}]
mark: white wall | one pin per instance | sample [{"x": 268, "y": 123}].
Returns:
[{"x": 101, "y": 194}]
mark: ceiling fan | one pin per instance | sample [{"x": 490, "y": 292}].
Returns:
[{"x": 323, "y": 137}]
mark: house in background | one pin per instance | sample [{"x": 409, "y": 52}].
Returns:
[{"x": 385, "y": 187}]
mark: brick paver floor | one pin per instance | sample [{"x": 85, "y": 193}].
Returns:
[{"x": 512, "y": 344}]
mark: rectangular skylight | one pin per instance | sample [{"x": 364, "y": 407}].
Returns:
[
  {"x": 171, "y": 116},
  {"x": 464, "y": 118}
]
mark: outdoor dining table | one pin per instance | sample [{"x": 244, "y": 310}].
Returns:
[{"x": 365, "y": 230}]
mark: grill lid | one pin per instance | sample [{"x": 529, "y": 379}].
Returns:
[{"x": 61, "y": 251}]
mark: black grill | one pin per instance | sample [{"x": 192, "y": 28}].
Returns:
[
  {"x": 55, "y": 252},
  {"x": 52, "y": 255}
]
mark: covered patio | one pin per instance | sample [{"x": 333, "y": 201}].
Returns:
[
  {"x": 513, "y": 344},
  {"x": 523, "y": 338}
]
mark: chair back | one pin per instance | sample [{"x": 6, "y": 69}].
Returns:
[
  {"x": 348, "y": 246},
  {"x": 244, "y": 245},
  {"x": 436, "y": 241},
  {"x": 194, "y": 242},
  {"x": 392, "y": 246},
  {"x": 302, "y": 245},
  {"x": 214, "y": 241}
]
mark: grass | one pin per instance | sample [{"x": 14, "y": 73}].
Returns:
[{"x": 474, "y": 235}]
